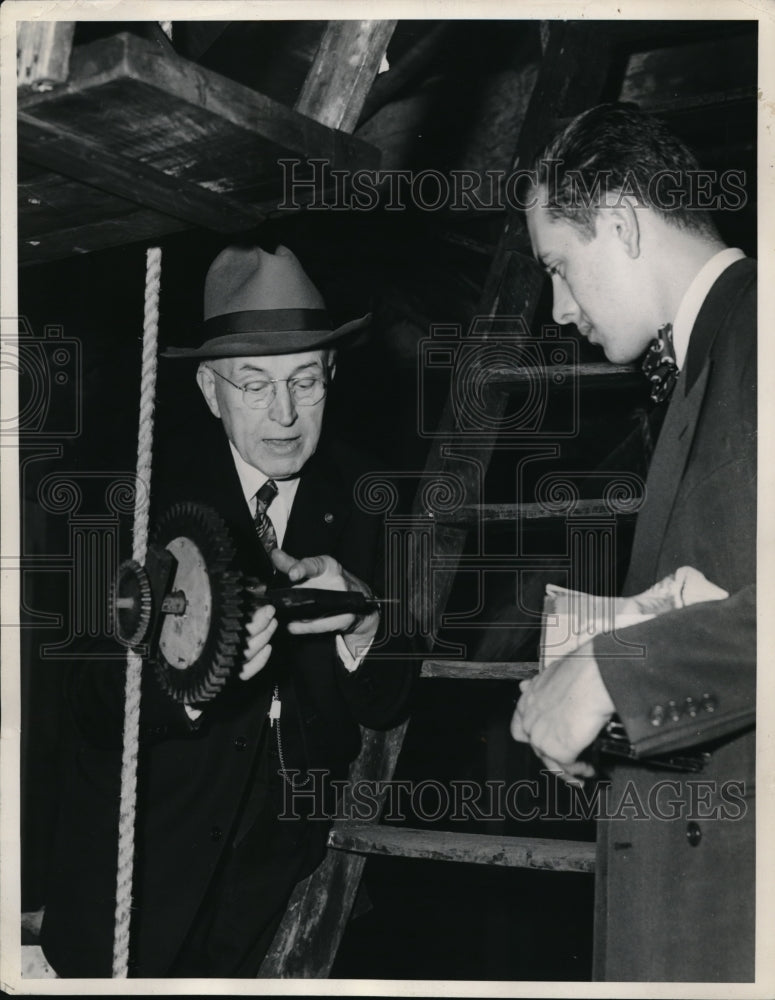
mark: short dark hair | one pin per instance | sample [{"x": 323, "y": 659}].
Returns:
[{"x": 615, "y": 148}]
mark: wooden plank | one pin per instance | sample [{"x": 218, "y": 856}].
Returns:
[
  {"x": 478, "y": 670},
  {"x": 559, "y": 374},
  {"x": 470, "y": 848},
  {"x": 43, "y": 53},
  {"x": 408, "y": 67},
  {"x": 344, "y": 69},
  {"x": 307, "y": 940},
  {"x": 74, "y": 155},
  {"x": 493, "y": 513},
  {"x": 108, "y": 67},
  {"x": 695, "y": 70},
  {"x": 142, "y": 225},
  {"x": 208, "y": 137}
]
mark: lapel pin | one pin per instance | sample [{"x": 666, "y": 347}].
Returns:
[{"x": 328, "y": 518}]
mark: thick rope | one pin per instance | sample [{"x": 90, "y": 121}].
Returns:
[{"x": 134, "y": 663}]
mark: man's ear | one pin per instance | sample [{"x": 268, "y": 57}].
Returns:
[
  {"x": 624, "y": 226},
  {"x": 206, "y": 382}
]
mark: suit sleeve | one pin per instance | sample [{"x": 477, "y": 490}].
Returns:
[
  {"x": 684, "y": 677},
  {"x": 378, "y": 692}
]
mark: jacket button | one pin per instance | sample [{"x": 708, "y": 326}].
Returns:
[
  {"x": 691, "y": 707},
  {"x": 673, "y": 711},
  {"x": 709, "y": 703},
  {"x": 657, "y": 716},
  {"x": 240, "y": 742},
  {"x": 216, "y": 833},
  {"x": 693, "y": 834}
]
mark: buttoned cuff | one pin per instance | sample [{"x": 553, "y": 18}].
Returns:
[{"x": 350, "y": 662}]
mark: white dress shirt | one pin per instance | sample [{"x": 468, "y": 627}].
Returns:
[{"x": 695, "y": 295}]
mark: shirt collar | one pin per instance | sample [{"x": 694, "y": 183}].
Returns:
[
  {"x": 695, "y": 295},
  {"x": 252, "y": 479}
]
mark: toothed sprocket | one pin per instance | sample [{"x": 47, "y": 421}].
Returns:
[{"x": 199, "y": 647}]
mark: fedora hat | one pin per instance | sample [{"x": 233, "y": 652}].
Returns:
[{"x": 258, "y": 303}]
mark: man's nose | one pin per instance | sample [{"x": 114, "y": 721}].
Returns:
[
  {"x": 282, "y": 408},
  {"x": 564, "y": 307}
]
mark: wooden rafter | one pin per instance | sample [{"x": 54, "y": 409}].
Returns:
[
  {"x": 43, "y": 53},
  {"x": 165, "y": 136},
  {"x": 344, "y": 69}
]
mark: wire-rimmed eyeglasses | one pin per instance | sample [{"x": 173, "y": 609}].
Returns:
[{"x": 305, "y": 390}]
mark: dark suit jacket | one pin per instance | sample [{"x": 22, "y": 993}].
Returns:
[
  {"x": 675, "y": 896},
  {"x": 194, "y": 780}
]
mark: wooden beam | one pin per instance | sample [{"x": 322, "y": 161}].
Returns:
[
  {"x": 344, "y": 69},
  {"x": 573, "y": 71},
  {"x": 467, "y": 670},
  {"x": 513, "y": 513},
  {"x": 504, "y": 373},
  {"x": 307, "y": 940},
  {"x": 471, "y": 848},
  {"x": 390, "y": 83},
  {"x": 142, "y": 225},
  {"x": 72, "y": 154},
  {"x": 43, "y": 53},
  {"x": 158, "y": 131}
]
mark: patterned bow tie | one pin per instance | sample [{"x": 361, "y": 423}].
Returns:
[
  {"x": 659, "y": 365},
  {"x": 264, "y": 527}
]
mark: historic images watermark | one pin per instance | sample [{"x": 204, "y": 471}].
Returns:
[
  {"x": 316, "y": 185},
  {"x": 529, "y": 799}
]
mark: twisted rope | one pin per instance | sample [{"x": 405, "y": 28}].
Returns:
[{"x": 134, "y": 663}]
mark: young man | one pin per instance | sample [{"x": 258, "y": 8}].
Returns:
[
  {"x": 215, "y": 860},
  {"x": 631, "y": 260}
]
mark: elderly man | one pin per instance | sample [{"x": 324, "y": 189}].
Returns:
[
  {"x": 631, "y": 259},
  {"x": 219, "y": 843}
]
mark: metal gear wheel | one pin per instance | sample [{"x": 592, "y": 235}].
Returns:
[
  {"x": 132, "y": 603},
  {"x": 199, "y": 647}
]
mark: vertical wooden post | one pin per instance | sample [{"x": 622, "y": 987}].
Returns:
[
  {"x": 43, "y": 53},
  {"x": 344, "y": 69}
]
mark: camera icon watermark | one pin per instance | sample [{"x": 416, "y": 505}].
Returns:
[
  {"x": 499, "y": 357},
  {"x": 49, "y": 372}
]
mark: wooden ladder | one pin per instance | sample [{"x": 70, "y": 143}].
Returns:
[{"x": 571, "y": 78}]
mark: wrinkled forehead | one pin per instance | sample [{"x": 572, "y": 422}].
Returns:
[{"x": 275, "y": 365}]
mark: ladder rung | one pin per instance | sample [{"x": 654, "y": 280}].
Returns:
[
  {"x": 498, "y": 512},
  {"x": 479, "y": 670},
  {"x": 518, "y": 375},
  {"x": 471, "y": 848}
]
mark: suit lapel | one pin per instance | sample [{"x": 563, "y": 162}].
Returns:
[
  {"x": 665, "y": 476},
  {"x": 668, "y": 465},
  {"x": 319, "y": 509}
]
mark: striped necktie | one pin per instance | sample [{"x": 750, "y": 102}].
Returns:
[{"x": 264, "y": 527}]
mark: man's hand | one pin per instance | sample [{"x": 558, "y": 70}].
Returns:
[
  {"x": 260, "y": 629},
  {"x": 327, "y": 574},
  {"x": 561, "y": 711}
]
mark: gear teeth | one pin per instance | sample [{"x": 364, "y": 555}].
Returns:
[
  {"x": 131, "y": 627},
  {"x": 217, "y": 662}
]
